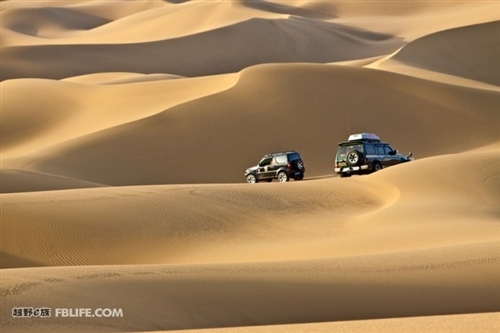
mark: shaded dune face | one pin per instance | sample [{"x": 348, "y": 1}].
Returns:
[
  {"x": 47, "y": 22},
  {"x": 126, "y": 127}
]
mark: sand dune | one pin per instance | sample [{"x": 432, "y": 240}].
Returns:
[
  {"x": 252, "y": 42},
  {"x": 126, "y": 127},
  {"x": 110, "y": 24},
  {"x": 270, "y": 219},
  {"x": 26, "y": 181},
  {"x": 473, "y": 58},
  {"x": 483, "y": 322},
  {"x": 57, "y": 109},
  {"x": 453, "y": 280},
  {"x": 322, "y": 105}
]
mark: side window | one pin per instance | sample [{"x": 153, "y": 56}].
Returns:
[
  {"x": 387, "y": 149},
  {"x": 281, "y": 159},
  {"x": 380, "y": 150},
  {"x": 370, "y": 149},
  {"x": 265, "y": 161}
]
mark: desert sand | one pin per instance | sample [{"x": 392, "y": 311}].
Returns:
[{"x": 126, "y": 127}]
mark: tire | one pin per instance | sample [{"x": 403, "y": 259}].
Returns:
[
  {"x": 282, "y": 177},
  {"x": 376, "y": 166},
  {"x": 344, "y": 175},
  {"x": 251, "y": 179},
  {"x": 354, "y": 158},
  {"x": 269, "y": 180},
  {"x": 299, "y": 177}
]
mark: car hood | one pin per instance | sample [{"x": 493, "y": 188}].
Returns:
[
  {"x": 249, "y": 170},
  {"x": 405, "y": 157}
]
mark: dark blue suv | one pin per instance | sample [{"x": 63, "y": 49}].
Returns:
[{"x": 364, "y": 153}]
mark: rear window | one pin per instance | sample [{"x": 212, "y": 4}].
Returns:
[
  {"x": 343, "y": 150},
  {"x": 293, "y": 157}
]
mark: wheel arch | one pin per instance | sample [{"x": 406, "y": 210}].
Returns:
[{"x": 281, "y": 169}]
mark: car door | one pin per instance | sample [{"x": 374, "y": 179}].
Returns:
[
  {"x": 382, "y": 156},
  {"x": 274, "y": 166},
  {"x": 263, "y": 170},
  {"x": 392, "y": 157}
]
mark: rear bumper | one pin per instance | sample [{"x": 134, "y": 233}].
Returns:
[
  {"x": 351, "y": 169},
  {"x": 296, "y": 172}
]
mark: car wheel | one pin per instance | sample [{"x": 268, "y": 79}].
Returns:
[
  {"x": 354, "y": 157},
  {"x": 269, "y": 180},
  {"x": 376, "y": 166},
  {"x": 282, "y": 176},
  {"x": 251, "y": 179},
  {"x": 344, "y": 175}
]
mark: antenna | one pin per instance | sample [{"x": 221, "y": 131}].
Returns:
[{"x": 348, "y": 127}]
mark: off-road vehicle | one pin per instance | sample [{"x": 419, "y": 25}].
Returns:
[
  {"x": 364, "y": 153},
  {"x": 279, "y": 165}
]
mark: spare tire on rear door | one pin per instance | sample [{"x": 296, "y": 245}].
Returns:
[{"x": 354, "y": 158}]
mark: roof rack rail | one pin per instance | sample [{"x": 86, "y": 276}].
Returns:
[{"x": 364, "y": 136}]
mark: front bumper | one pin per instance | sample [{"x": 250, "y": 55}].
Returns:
[{"x": 351, "y": 169}]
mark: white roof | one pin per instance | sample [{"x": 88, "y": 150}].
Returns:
[{"x": 363, "y": 136}]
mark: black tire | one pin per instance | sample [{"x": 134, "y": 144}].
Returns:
[
  {"x": 354, "y": 158},
  {"x": 282, "y": 177},
  {"x": 376, "y": 166},
  {"x": 251, "y": 179},
  {"x": 299, "y": 177},
  {"x": 345, "y": 175},
  {"x": 269, "y": 180}
]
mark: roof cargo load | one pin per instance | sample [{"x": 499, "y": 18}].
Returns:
[{"x": 364, "y": 136}]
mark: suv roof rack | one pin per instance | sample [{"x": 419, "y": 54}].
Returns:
[
  {"x": 282, "y": 152},
  {"x": 364, "y": 137}
]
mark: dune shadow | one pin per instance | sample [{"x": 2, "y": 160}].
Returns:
[
  {"x": 284, "y": 9},
  {"x": 176, "y": 1},
  {"x": 8, "y": 260}
]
